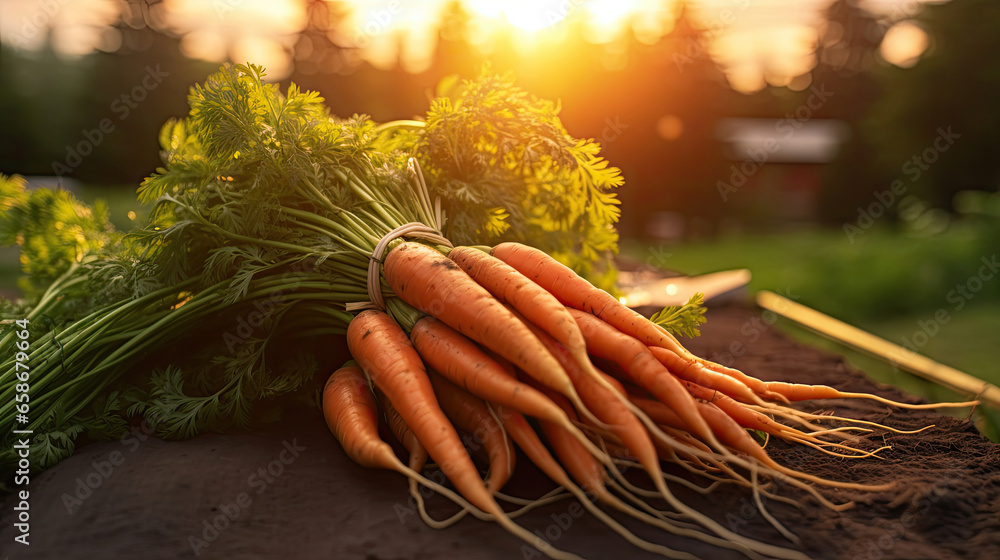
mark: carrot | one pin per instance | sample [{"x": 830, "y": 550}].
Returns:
[
  {"x": 349, "y": 410},
  {"x": 418, "y": 455},
  {"x": 664, "y": 416},
  {"x": 473, "y": 415},
  {"x": 642, "y": 368},
  {"x": 577, "y": 293},
  {"x": 526, "y": 438},
  {"x": 628, "y": 428},
  {"x": 748, "y": 417},
  {"x": 486, "y": 376},
  {"x": 615, "y": 384},
  {"x": 417, "y": 460},
  {"x": 533, "y": 302},
  {"x": 385, "y": 354},
  {"x": 733, "y": 435},
  {"x": 589, "y": 474},
  {"x": 691, "y": 371},
  {"x": 464, "y": 363},
  {"x": 659, "y": 412},
  {"x": 435, "y": 285},
  {"x": 741, "y": 414},
  {"x": 799, "y": 392}
]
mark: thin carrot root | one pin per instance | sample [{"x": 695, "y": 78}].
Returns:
[
  {"x": 763, "y": 510},
  {"x": 798, "y": 415},
  {"x": 800, "y": 392}
]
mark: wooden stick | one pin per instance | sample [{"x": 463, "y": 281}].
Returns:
[{"x": 906, "y": 359}]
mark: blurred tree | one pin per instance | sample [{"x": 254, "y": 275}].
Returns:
[
  {"x": 320, "y": 48},
  {"x": 96, "y": 117},
  {"x": 669, "y": 101},
  {"x": 847, "y": 57},
  {"x": 39, "y": 94},
  {"x": 138, "y": 82},
  {"x": 952, "y": 89}
]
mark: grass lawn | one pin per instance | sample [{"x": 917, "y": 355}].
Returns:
[{"x": 800, "y": 265}]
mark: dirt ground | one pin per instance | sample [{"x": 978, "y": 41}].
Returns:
[{"x": 291, "y": 493}]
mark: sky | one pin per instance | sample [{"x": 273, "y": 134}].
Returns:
[{"x": 756, "y": 42}]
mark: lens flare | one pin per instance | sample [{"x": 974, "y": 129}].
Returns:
[{"x": 532, "y": 15}]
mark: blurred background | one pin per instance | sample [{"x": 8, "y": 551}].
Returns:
[{"x": 845, "y": 151}]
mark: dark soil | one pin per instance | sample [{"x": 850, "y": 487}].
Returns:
[{"x": 152, "y": 499}]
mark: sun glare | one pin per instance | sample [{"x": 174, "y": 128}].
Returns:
[
  {"x": 903, "y": 44},
  {"x": 755, "y": 44},
  {"x": 532, "y": 15}
]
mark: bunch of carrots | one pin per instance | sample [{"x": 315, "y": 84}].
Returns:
[
  {"x": 266, "y": 201},
  {"x": 512, "y": 334}
]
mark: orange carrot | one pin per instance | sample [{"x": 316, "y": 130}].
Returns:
[
  {"x": 528, "y": 440},
  {"x": 405, "y": 436},
  {"x": 742, "y": 415},
  {"x": 660, "y": 413},
  {"x": 385, "y": 354},
  {"x": 434, "y": 284},
  {"x": 577, "y": 293},
  {"x": 799, "y": 392},
  {"x": 349, "y": 409},
  {"x": 473, "y": 415},
  {"x": 617, "y": 385},
  {"x": 486, "y": 375},
  {"x": 533, "y": 302},
  {"x": 417, "y": 461},
  {"x": 464, "y": 363},
  {"x": 624, "y": 424},
  {"x": 691, "y": 371},
  {"x": 643, "y": 369},
  {"x": 733, "y": 435},
  {"x": 585, "y": 470}
]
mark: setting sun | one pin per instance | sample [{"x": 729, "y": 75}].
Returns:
[{"x": 532, "y": 15}]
